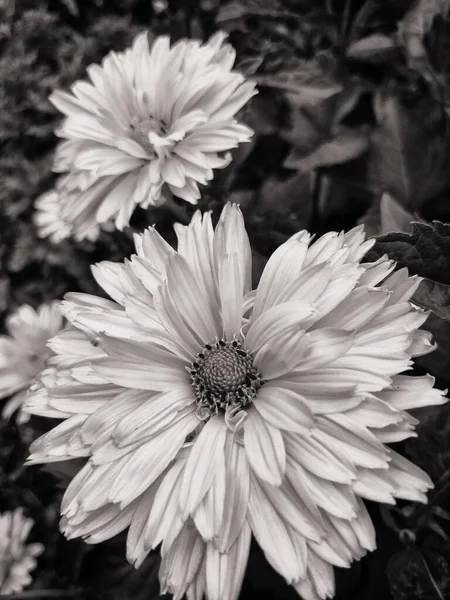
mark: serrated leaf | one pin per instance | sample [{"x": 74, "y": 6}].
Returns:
[
  {"x": 347, "y": 144},
  {"x": 375, "y": 48},
  {"x": 409, "y": 157},
  {"x": 425, "y": 251}
]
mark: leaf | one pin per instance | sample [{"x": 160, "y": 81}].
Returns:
[
  {"x": 282, "y": 196},
  {"x": 425, "y": 251},
  {"x": 308, "y": 81},
  {"x": 434, "y": 296},
  {"x": 346, "y": 145},
  {"x": 106, "y": 571},
  {"x": 420, "y": 574},
  {"x": 243, "y": 8},
  {"x": 410, "y": 149},
  {"x": 424, "y": 34},
  {"x": 375, "y": 48},
  {"x": 393, "y": 217}
]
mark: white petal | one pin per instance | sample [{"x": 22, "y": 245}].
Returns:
[
  {"x": 146, "y": 463},
  {"x": 284, "y": 409},
  {"x": 276, "y": 321},
  {"x": 237, "y": 492},
  {"x": 283, "y": 266},
  {"x": 206, "y": 455},
  {"x": 275, "y": 540},
  {"x": 265, "y": 450},
  {"x": 225, "y": 572},
  {"x": 231, "y": 295},
  {"x": 230, "y": 237}
]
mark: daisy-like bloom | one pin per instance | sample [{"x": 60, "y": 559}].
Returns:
[
  {"x": 17, "y": 558},
  {"x": 148, "y": 118},
  {"x": 50, "y": 207},
  {"x": 23, "y": 352},
  {"x": 209, "y": 412}
]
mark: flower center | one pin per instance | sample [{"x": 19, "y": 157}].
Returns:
[
  {"x": 224, "y": 378},
  {"x": 141, "y": 129}
]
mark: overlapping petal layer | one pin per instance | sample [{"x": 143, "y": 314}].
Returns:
[
  {"x": 147, "y": 117},
  {"x": 300, "y": 385}
]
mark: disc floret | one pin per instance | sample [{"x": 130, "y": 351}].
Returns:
[{"x": 224, "y": 378}]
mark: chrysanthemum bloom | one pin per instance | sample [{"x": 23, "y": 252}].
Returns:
[
  {"x": 24, "y": 350},
  {"x": 209, "y": 413},
  {"x": 51, "y": 206},
  {"x": 17, "y": 558},
  {"x": 148, "y": 118}
]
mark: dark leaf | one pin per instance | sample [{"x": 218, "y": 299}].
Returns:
[
  {"x": 424, "y": 33},
  {"x": 291, "y": 195},
  {"x": 242, "y": 8},
  {"x": 109, "y": 576},
  {"x": 438, "y": 362},
  {"x": 434, "y": 296},
  {"x": 422, "y": 575},
  {"x": 425, "y": 251},
  {"x": 347, "y": 144},
  {"x": 410, "y": 149},
  {"x": 307, "y": 81}
]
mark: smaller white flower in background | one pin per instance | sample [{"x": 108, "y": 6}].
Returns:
[
  {"x": 23, "y": 351},
  {"x": 149, "y": 118},
  {"x": 17, "y": 558},
  {"x": 49, "y": 219}
]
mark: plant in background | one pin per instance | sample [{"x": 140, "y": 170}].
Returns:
[
  {"x": 17, "y": 558},
  {"x": 23, "y": 351},
  {"x": 149, "y": 118},
  {"x": 206, "y": 410}
]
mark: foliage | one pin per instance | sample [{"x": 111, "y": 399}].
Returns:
[{"x": 352, "y": 125}]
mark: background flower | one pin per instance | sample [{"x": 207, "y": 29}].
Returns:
[
  {"x": 148, "y": 118},
  {"x": 17, "y": 558},
  {"x": 207, "y": 410},
  {"x": 23, "y": 351}
]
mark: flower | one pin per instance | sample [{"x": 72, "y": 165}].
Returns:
[
  {"x": 206, "y": 410},
  {"x": 23, "y": 351},
  {"x": 145, "y": 119},
  {"x": 17, "y": 558},
  {"x": 49, "y": 216}
]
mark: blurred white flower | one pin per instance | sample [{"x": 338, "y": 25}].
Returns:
[
  {"x": 24, "y": 350},
  {"x": 17, "y": 558},
  {"x": 209, "y": 412},
  {"x": 50, "y": 206},
  {"x": 148, "y": 118}
]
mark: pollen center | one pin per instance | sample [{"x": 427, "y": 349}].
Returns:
[
  {"x": 223, "y": 377},
  {"x": 141, "y": 129}
]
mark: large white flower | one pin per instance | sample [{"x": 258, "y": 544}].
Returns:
[
  {"x": 17, "y": 558},
  {"x": 148, "y": 118},
  {"x": 209, "y": 413},
  {"x": 23, "y": 351}
]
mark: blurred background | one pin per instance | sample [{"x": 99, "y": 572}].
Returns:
[{"x": 351, "y": 126}]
